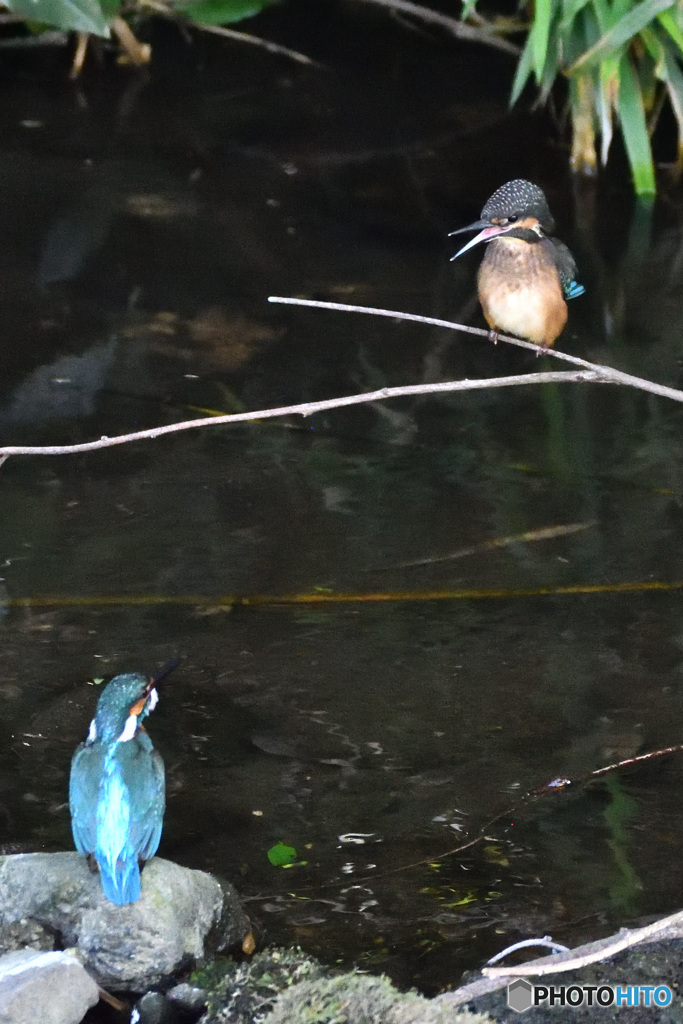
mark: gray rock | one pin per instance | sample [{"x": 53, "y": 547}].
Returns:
[
  {"x": 152, "y": 1009},
  {"x": 23, "y": 934},
  {"x": 188, "y": 997},
  {"x": 52, "y": 988},
  {"x": 124, "y": 948}
]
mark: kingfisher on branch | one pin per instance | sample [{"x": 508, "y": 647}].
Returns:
[{"x": 526, "y": 275}]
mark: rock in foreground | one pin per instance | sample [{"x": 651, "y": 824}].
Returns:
[
  {"x": 123, "y": 948},
  {"x": 285, "y": 986},
  {"x": 52, "y": 988}
]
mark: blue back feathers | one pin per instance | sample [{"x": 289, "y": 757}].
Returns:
[{"x": 116, "y": 790}]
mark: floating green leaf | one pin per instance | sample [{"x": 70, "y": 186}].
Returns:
[{"x": 281, "y": 855}]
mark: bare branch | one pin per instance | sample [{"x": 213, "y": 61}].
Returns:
[
  {"x": 166, "y": 11},
  {"x": 589, "y": 373},
  {"x": 304, "y": 409},
  {"x": 459, "y": 29},
  {"x": 592, "y": 953},
  {"x": 265, "y": 44},
  {"x": 607, "y": 374}
]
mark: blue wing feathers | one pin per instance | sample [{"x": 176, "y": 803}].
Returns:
[
  {"x": 573, "y": 290},
  {"x": 116, "y": 793}
]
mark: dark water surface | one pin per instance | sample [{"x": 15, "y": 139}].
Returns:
[{"x": 145, "y": 221}]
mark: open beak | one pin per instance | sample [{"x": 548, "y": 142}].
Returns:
[{"x": 489, "y": 231}]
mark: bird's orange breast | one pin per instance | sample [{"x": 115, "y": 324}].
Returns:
[{"x": 520, "y": 291}]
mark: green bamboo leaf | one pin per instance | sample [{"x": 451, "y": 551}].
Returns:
[
  {"x": 634, "y": 130},
  {"x": 550, "y": 68},
  {"x": 655, "y": 48},
  {"x": 110, "y": 9},
  {"x": 540, "y": 32},
  {"x": 603, "y": 14},
  {"x": 524, "y": 68},
  {"x": 622, "y": 7},
  {"x": 625, "y": 29},
  {"x": 220, "y": 12},
  {"x": 610, "y": 76},
  {"x": 68, "y": 15},
  {"x": 604, "y": 105},
  {"x": 674, "y": 85},
  {"x": 584, "y": 32},
  {"x": 670, "y": 25},
  {"x": 570, "y": 9}
]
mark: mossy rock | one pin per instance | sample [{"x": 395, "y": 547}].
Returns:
[
  {"x": 244, "y": 993},
  {"x": 361, "y": 999}
]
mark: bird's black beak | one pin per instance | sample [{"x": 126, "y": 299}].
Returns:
[
  {"x": 161, "y": 673},
  {"x": 488, "y": 232}
]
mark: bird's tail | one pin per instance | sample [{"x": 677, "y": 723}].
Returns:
[{"x": 122, "y": 884}]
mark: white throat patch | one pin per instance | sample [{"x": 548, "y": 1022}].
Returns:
[
  {"x": 92, "y": 732},
  {"x": 129, "y": 729}
]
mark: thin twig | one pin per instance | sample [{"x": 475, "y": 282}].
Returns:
[
  {"x": 592, "y": 373},
  {"x": 460, "y": 29},
  {"x": 265, "y": 44},
  {"x": 230, "y": 33},
  {"x": 546, "y": 533},
  {"x": 303, "y": 409},
  {"x": 667, "y": 927},
  {"x": 559, "y": 784},
  {"x": 576, "y": 959},
  {"x": 547, "y": 941}
]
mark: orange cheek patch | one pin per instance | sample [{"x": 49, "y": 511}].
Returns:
[{"x": 137, "y": 708}]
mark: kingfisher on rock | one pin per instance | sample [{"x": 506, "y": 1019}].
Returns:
[
  {"x": 117, "y": 787},
  {"x": 526, "y": 275}
]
